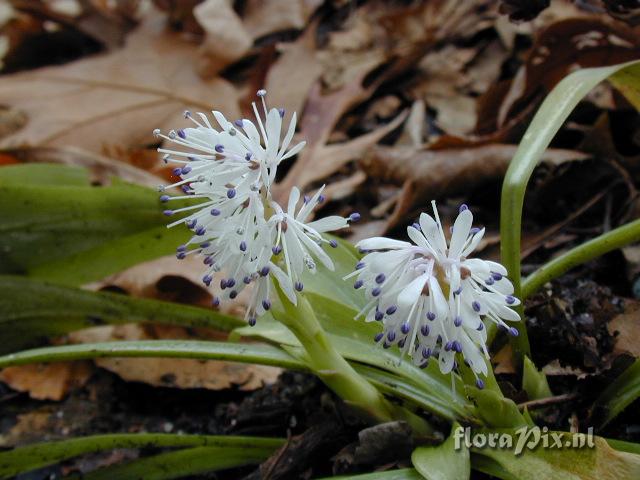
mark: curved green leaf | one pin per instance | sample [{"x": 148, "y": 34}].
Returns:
[
  {"x": 621, "y": 393},
  {"x": 31, "y": 457},
  {"x": 548, "y": 119},
  {"x": 51, "y": 215},
  {"x": 401, "y": 474},
  {"x": 196, "y": 349},
  {"x": 354, "y": 340},
  {"x": 534, "y": 382},
  {"x": 601, "y": 462},
  {"x": 190, "y": 461},
  {"x": 447, "y": 461},
  {"x": 31, "y": 311}
]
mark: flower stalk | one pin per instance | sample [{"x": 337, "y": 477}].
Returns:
[{"x": 325, "y": 361}]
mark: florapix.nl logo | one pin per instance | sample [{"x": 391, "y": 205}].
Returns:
[{"x": 518, "y": 440}]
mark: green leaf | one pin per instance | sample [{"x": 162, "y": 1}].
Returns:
[
  {"x": 594, "y": 248},
  {"x": 55, "y": 225},
  {"x": 330, "y": 284},
  {"x": 182, "y": 463},
  {"x": 534, "y": 382},
  {"x": 623, "y": 446},
  {"x": 445, "y": 461},
  {"x": 196, "y": 349},
  {"x": 354, "y": 340},
  {"x": 496, "y": 410},
  {"x": 32, "y": 311},
  {"x": 31, "y": 457},
  {"x": 620, "y": 394},
  {"x": 548, "y": 119},
  {"x": 402, "y": 474},
  {"x": 598, "y": 463},
  {"x": 628, "y": 82}
]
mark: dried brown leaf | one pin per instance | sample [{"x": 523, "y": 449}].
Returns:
[
  {"x": 292, "y": 75},
  {"x": 47, "y": 381},
  {"x": 438, "y": 173},
  {"x": 626, "y": 328},
  {"x": 226, "y": 38},
  {"x": 114, "y": 99},
  {"x": 171, "y": 372},
  {"x": 262, "y": 17}
]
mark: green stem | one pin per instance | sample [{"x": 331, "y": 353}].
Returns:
[
  {"x": 325, "y": 361},
  {"x": 594, "y": 248}
]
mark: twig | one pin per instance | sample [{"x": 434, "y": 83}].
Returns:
[{"x": 543, "y": 402}]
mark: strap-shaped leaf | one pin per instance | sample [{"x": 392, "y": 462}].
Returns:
[
  {"x": 55, "y": 225},
  {"x": 195, "y": 349},
  {"x": 31, "y": 311},
  {"x": 180, "y": 464},
  {"x": 31, "y": 457}
]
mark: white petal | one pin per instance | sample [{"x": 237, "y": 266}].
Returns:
[
  {"x": 417, "y": 238},
  {"x": 294, "y": 197},
  {"x": 381, "y": 243},
  {"x": 445, "y": 361},
  {"x": 252, "y": 133},
  {"x": 475, "y": 240},
  {"x": 461, "y": 229},
  {"x": 309, "y": 206},
  {"x": 293, "y": 151},
  {"x": 328, "y": 224},
  {"x": 440, "y": 303},
  {"x": 274, "y": 124},
  {"x": 289, "y": 136},
  {"x": 496, "y": 267},
  {"x": 222, "y": 121},
  {"x": 432, "y": 233},
  {"x": 411, "y": 293},
  {"x": 285, "y": 283}
]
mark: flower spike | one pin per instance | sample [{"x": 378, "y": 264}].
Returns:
[{"x": 430, "y": 297}]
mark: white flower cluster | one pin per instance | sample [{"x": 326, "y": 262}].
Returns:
[
  {"x": 430, "y": 297},
  {"x": 238, "y": 228}
]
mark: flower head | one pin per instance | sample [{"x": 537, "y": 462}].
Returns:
[
  {"x": 243, "y": 235},
  {"x": 430, "y": 297}
]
